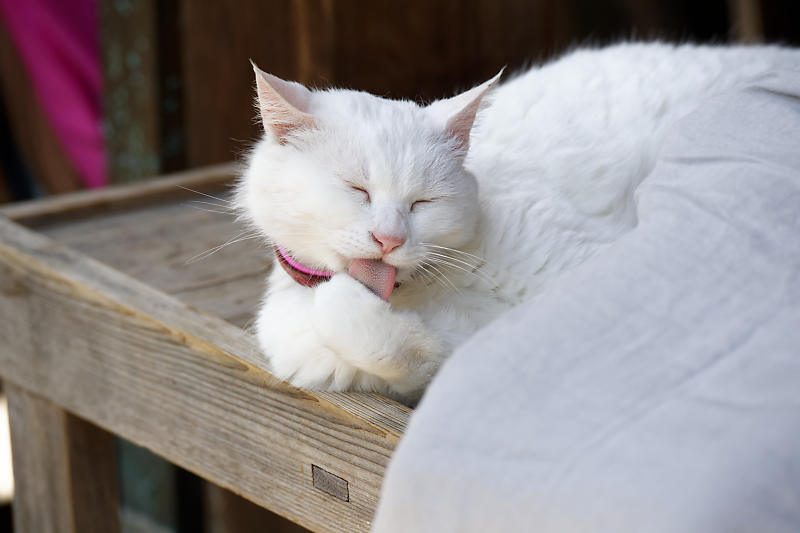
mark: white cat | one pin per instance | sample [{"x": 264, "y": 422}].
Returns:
[{"x": 404, "y": 229}]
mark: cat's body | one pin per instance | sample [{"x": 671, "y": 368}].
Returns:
[{"x": 556, "y": 156}]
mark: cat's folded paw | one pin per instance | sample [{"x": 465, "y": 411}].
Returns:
[{"x": 346, "y": 315}]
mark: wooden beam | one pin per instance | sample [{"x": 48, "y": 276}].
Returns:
[
  {"x": 226, "y": 512},
  {"x": 65, "y": 469},
  {"x": 87, "y": 203},
  {"x": 186, "y": 385},
  {"x": 218, "y": 105},
  {"x": 314, "y": 41},
  {"x": 179, "y": 248},
  {"x": 747, "y": 24}
]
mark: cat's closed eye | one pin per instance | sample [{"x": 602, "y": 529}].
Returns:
[
  {"x": 418, "y": 202},
  {"x": 361, "y": 190}
]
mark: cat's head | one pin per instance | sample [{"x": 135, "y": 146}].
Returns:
[{"x": 341, "y": 175}]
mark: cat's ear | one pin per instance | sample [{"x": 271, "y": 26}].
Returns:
[
  {"x": 458, "y": 113},
  {"x": 282, "y": 104}
]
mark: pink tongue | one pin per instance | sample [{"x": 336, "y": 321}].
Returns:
[{"x": 376, "y": 275}]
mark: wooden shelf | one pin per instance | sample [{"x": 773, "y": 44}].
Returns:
[{"x": 104, "y": 316}]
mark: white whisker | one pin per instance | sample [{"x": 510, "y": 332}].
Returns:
[
  {"x": 444, "y": 277},
  {"x": 470, "y": 265},
  {"x": 454, "y": 250},
  {"x": 214, "y": 204},
  {"x": 239, "y": 238},
  {"x": 476, "y": 273},
  {"x": 206, "y": 195},
  {"x": 228, "y": 213},
  {"x": 426, "y": 275},
  {"x": 432, "y": 277}
]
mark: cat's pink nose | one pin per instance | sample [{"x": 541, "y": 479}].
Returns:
[{"x": 387, "y": 242}]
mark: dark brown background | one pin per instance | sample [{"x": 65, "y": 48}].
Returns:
[
  {"x": 418, "y": 49},
  {"x": 192, "y": 103},
  {"x": 422, "y": 50}
]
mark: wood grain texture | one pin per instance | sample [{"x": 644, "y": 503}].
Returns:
[
  {"x": 421, "y": 51},
  {"x": 186, "y": 385},
  {"x": 218, "y": 79},
  {"x": 65, "y": 469},
  {"x": 173, "y": 244},
  {"x": 164, "y": 246},
  {"x": 225, "y": 512},
  {"x": 424, "y": 50},
  {"x": 747, "y": 25},
  {"x": 314, "y": 40},
  {"x": 89, "y": 203}
]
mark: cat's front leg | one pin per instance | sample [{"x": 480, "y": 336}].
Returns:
[{"x": 366, "y": 332}]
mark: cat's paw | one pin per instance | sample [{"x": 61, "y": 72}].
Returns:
[{"x": 347, "y": 316}]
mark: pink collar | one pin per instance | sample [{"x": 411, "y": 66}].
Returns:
[{"x": 303, "y": 275}]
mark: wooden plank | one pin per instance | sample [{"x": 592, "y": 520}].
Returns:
[
  {"x": 164, "y": 244},
  {"x": 314, "y": 41},
  {"x": 65, "y": 469},
  {"x": 179, "y": 248},
  {"x": 226, "y": 512},
  {"x": 89, "y": 217},
  {"x": 747, "y": 25},
  {"x": 87, "y": 203},
  {"x": 186, "y": 385},
  {"x": 424, "y": 50},
  {"x": 219, "y": 107}
]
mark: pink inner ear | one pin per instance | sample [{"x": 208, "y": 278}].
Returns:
[
  {"x": 281, "y": 104},
  {"x": 459, "y": 126},
  {"x": 464, "y": 107}
]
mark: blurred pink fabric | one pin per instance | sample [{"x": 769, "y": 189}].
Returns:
[{"x": 58, "y": 42}]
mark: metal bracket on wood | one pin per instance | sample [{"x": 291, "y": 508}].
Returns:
[{"x": 330, "y": 483}]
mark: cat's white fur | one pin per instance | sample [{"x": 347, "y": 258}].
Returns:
[{"x": 554, "y": 158}]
